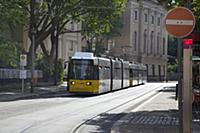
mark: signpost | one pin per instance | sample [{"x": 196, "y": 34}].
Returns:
[
  {"x": 22, "y": 75},
  {"x": 180, "y": 22}
]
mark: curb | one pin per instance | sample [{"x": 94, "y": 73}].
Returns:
[{"x": 38, "y": 94}]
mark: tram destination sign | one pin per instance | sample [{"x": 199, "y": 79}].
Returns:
[{"x": 179, "y": 22}]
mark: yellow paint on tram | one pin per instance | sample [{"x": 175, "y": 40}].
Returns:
[{"x": 90, "y": 86}]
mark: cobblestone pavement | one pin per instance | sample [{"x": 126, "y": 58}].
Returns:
[{"x": 157, "y": 115}]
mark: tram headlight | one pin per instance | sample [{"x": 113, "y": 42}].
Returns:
[
  {"x": 89, "y": 83},
  {"x": 73, "y": 83}
]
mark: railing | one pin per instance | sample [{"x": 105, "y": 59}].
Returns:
[{"x": 15, "y": 73}]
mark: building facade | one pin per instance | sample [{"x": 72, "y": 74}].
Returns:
[{"x": 143, "y": 37}]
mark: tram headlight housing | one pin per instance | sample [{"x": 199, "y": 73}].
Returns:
[
  {"x": 89, "y": 83},
  {"x": 72, "y": 83}
]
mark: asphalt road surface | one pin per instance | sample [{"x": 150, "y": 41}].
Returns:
[{"x": 70, "y": 114}]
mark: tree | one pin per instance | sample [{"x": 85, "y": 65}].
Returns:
[
  {"x": 49, "y": 18},
  {"x": 193, "y": 5},
  {"x": 100, "y": 37},
  {"x": 9, "y": 53},
  {"x": 196, "y": 9},
  {"x": 11, "y": 12}
]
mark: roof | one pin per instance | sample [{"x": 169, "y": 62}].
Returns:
[{"x": 83, "y": 55}]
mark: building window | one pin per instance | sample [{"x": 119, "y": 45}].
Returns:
[
  {"x": 151, "y": 46},
  {"x": 145, "y": 17},
  {"x": 153, "y": 70},
  {"x": 135, "y": 15},
  {"x": 163, "y": 46},
  {"x": 71, "y": 46},
  {"x": 145, "y": 41},
  {"x": 147, "y": 69},
  {"x": 158, "y": 43},
  {"x": 135, "y": 41},
  {"x": 158, "y": 21},
  {"x": 159, "y": 70},
  {"x": 152, "y": 19},
  {"x": 163, "y": 70}
]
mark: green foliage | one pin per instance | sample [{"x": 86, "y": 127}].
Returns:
[
  {"x": 193, "y": 5},
  {"x": 103, "y": 18},
  {"x": 172, "y": 68},
  {"x": 196, "y": 9},
  {"x": 9, "y": 53},
  {"x": 43, "y": 64},
  {"x": 172, "y": 46},
  {"x": 11, "y": 11},
  {"x": 116, "y": 26},
  {"x": 172, "y": 53}
]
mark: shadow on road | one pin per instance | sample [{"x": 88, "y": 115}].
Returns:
[{"x": 136, "y": 122}]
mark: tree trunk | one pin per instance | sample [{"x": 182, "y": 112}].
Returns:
[{"x": 56, "y": 60}]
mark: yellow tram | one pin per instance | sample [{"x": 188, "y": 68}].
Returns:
[{"x": 94, "y": 75}]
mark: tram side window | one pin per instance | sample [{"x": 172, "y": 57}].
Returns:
[
  {"x": 131, "y": 73},
  {"x": 118, "y": 74},
  {"x": 104, "y": 72},
  {"x": 126, "y": 73},
  {"x": 135, "y": 73}
]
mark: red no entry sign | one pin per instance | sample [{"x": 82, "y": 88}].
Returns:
[{"x": 180, "y": 22}]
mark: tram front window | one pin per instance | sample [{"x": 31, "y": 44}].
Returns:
[{"x": 82, "y": 69}]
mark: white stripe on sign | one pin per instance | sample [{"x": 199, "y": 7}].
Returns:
[{"x": 179, "y": 22}]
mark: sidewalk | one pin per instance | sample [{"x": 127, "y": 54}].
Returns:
[
  {"x": 11, "y": 95},
  {"x": 157, "y": 115}
]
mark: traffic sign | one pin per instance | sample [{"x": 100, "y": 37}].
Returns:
[
  {"x": 23, "y": 60},
  {"x": 179, "y": 22},
  {"x": 22, "y": 74}
]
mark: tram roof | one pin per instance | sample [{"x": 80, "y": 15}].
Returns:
[{"x": 83, "y": 55}]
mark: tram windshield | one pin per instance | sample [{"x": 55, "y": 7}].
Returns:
[{"x": 82, "y": 69}]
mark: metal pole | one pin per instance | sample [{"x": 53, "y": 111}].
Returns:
[
  {"x": 180, "y": 101},
  {"x": 32, "y": 60},
  {"x": 187, "y": 90},
  {"x": 22, "y": 81}
]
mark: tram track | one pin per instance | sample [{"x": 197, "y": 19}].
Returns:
[{"x": 79, "y": 126}]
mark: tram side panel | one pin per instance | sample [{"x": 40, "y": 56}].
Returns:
[
  {"x": 130, "y": 77},
  {"x": 117, "y": 75},
  {"x": 134, "y": 76},
  {"x": 104, "y": 76},
  {"x": 140, "y": 77},
  {"x": 126, "y": 74},
  {"x": 144, "y": 76}
]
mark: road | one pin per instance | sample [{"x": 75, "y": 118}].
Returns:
[{"x": 71, "y": 113}]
